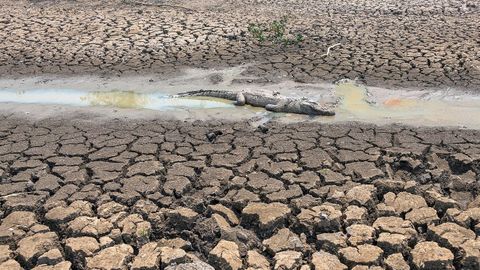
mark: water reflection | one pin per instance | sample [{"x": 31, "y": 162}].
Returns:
[
  {"x": 114, "y": 98},
  {"x": 120, "y": 99}
]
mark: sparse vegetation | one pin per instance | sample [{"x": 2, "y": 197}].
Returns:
[
  {"x": 144, "y": 232},
  {"x": 276, "y": 32}
]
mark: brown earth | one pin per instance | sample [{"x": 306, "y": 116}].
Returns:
[
  {"x": 409, "y": 43},
  {"x": 198, "y": 195},
  {"x": 158, "y": 194}
]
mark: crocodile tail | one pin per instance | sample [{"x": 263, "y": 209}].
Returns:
[{"x": 230, "y": 95}]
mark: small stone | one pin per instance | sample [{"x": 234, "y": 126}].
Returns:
[
  {"x": 287, "y": 260},
  {"x": 221, "y": 222},
  {"x": 145, "y": 168},
  {"x": 305, "y": 201},
  {"x": 226, "y": 255},
  {"x": 429, "y": 255},
  {"x": 116, "y": 235},
  {"x": 325, "y": 261}
]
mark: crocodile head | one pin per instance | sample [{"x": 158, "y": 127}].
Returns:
[{"x": 313, "y": 108}]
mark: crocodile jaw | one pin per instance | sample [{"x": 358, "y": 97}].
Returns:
[{"x": 313, "y": 108}]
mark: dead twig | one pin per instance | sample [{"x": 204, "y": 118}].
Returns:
[
  {"x": 17, "y": 194},
  {"x": 329, "y": 49}
]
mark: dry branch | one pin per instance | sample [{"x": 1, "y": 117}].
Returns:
[
  {"x": 140, "y": 3},
  {"x": 330, "y": 48}
]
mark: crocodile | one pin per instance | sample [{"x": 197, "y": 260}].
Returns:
[{"x": 271, "y": 101}]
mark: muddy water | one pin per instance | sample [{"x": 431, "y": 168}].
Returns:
[
  {"x": 117, "y": 99},
  {"x": 357, "y": 103},
  {"x": 434, "y": 107}
]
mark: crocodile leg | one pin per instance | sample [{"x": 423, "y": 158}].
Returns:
[
  {"x": 275, "y": 107},
  {"x": 240, "y": 99}
]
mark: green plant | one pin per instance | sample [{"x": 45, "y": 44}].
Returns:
[
  {"x": 276, "y": 31},
  {"x": 143, "y": 232}
]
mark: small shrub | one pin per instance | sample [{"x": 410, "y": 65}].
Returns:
[{"x": 276, "y": 31}]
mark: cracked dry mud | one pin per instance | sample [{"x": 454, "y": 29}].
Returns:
[
  {"x": 198, "y": 195},
  {"x": 413, "y": 43}
]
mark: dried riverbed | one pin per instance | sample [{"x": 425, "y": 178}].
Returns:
[
  {"x": 145, "y": 194},
  {"x": 101, "y": 169}
]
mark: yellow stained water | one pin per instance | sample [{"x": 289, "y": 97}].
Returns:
[
  {"x": 138, "y": 100},
  {"x": 120, "y": 99},
  {"x": 354, "y": 106}
]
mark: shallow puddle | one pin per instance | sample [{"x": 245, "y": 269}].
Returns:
[
  {"x": 395, "y": 106},
  {"x": 115, "y": 98}
]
